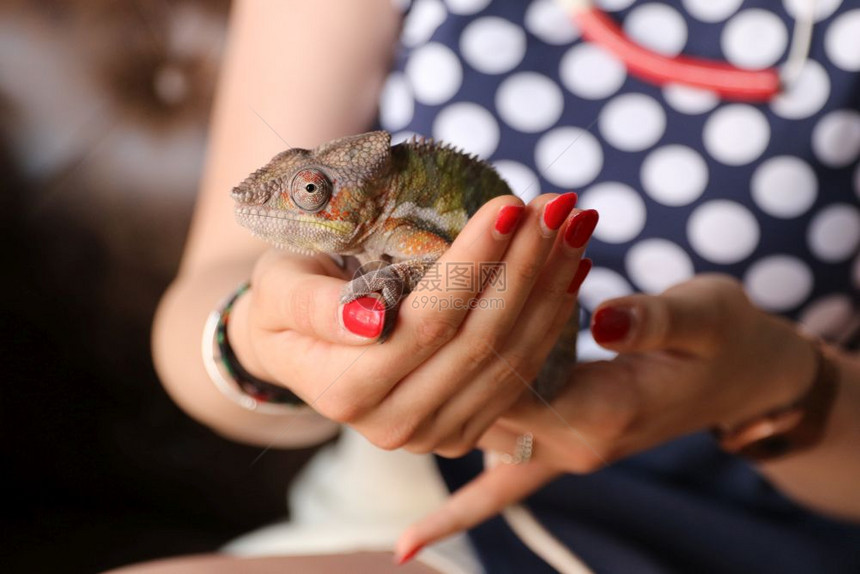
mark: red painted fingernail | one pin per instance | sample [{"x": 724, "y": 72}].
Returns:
[
  {"x": 611, "y": 324},
  {"x": 508, "y": 218},
  {"x": 557, "y": 210},
  {"x": 580, "y": 228},
  {"x": 364, "y": 316},
  {"x": 409, "y": 555},
  {"x": 579, "y": 277}
]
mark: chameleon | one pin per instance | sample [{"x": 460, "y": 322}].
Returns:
[{"x": 359, "y": 196}]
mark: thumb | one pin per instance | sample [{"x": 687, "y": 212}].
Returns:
[
  {"x": 484, "y": 497},
  {"x": 687, "y": 318}
]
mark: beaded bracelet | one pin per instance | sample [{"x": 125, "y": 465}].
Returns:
[{"x": 228, "y": 375}]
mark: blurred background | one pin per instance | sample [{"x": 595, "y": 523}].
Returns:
[{"x": 103, "y": 115}]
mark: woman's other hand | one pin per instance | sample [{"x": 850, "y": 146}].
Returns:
[{"x": 697, "y": 356}]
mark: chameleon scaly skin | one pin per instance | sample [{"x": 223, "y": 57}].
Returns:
[{"x": 360, "y": 196}]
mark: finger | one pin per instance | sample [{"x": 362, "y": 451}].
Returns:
[
  {"x": 687, "y": 318},
  {"x": 300, "y": 294},
  {"x": 522, "y": 266},
  {"x": 430, "y": 317},
  {"x": 540, "y": 327},
  {"x": 455, "y": 428},
  {"x": 481, "y": 499},
  {"x": 545, "y": 329},
  {"x": 433, "y": 313},
  {"x": 480, "y": 338}
]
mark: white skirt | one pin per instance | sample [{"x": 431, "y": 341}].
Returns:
[{"x": 352, "y": 497}]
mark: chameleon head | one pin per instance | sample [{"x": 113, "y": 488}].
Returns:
[{"x": 316, "y": 200}]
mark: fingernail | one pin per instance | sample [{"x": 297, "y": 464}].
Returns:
[
  {"x": 508, "y": 218},
  {"x": 364, "y": 317},
  {"x": 581, "y": 274},
  {"x": 557, "y": 210},
  {"x": 580, "y": 228},
  {"x": 408, "y": 556},
  {"x": 611, "y": 324}
]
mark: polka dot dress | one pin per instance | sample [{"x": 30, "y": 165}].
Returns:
[{"x": 685, "y": 183}]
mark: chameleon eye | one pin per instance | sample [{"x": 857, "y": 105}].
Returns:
[{"x": 310, "y": 190}]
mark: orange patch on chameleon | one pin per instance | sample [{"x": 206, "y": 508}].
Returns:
[
  {"x": 413, "y": 242},
  {"x": 339, "y": 208}
]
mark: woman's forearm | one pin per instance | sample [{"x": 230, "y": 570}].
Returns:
[
  {"x": 295, "y": 74},
  {"x": 826, "y": 477}
]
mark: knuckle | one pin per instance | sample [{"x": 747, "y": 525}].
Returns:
[
  {"x": 455, "y": 450},
  {"x": 521, "y": 365},
  {"x": 457, "y": 444},
  {"x": 726, "y": 315},
  {"x": 418, "y": 447},
  {"x": 344, "y": 412},
  {"x": 434, "y": 332},
  {"x": 393, "y": 437},
  {"x": 527, "y": 271},
  {"x": 480, "y": 351},
  {"x": 301, "y": 309}
]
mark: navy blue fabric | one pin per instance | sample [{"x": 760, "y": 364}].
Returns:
[
  {"x": 683, "y": 507},
  {"x": 686, "y": 506}
]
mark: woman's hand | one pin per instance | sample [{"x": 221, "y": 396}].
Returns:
[
  {"x": 697, "y": 356},
  {"x": 458, "y": 356}
]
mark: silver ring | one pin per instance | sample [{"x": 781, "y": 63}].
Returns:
[{"x": 522, "y": 452}]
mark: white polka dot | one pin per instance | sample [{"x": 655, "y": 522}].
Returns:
[
  {"x": 806, "y": 95},
  {"x": 823, "y": 8},
  {"x": 493, "y": 45},
  {"x": 778, "y": 282},
  {"x": 602, "y": 284},
  {"x": 396, "y": 106},
  {"x": 569, "y": 157},
  {"x": 622, "y": 211},
  {"x": 689, "y": 100},
  {"x": 422, "y": 21},
  {"x": 784, "y": 187},
  {"x": 711, "y": 10},
  {"x": 591, "y": 72},
  {"x": 468, "y": 126},
  {"x": 529, "y": 102},
  {"x": 754, "y": 39},
  {"x": 828, "y": 316},
  {"x": 842, "y": 41},
  {"x": 736, "y": 134},
  {"x": 549, "y": 22},
  {"x": 632, "y": 122},
  {"x": 836, "y": 138},
  {"x": 654, "y": 265},
  {"x": 522, "y": 181},
  {"x": 435, "y": 74},
  {"x": 464, "y": 7},
  {"x": 834, "y": 233},
  {"x": 614, "y": 5},
  {"x": 723, "y": 231},
  {"x": 658, "y": 27},
  {"x": 587, "y": 348},
  {"x": 674, "y": 175}
]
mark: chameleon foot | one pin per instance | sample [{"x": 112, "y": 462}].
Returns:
[{"x": 382, "y": 282}]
